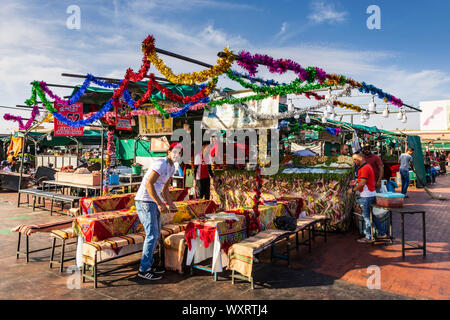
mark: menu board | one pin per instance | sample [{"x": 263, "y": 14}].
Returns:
[
  {"x": 73, "y": 112},
  {"x": 155, "y": 125}
]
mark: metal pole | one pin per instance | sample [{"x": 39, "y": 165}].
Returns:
[
  {"x": 101, "y": 166},
  {"x": 21, "y": 168}
]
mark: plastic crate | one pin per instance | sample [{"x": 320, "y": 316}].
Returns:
[
  {"x": 384, "y": 221},
  {"x": 390, "y": 199}
]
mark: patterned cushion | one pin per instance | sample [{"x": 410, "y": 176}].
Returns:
[
  {"x": 63, "y": 233},
  {"x": 112, "y": 246},
  {"x": 169, "y": 229},
  {"x": 43, "y": 227}
]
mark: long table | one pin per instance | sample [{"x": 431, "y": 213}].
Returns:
[
  {"x": 103, "y": 225},
  {"x": 96, "y": 189}
]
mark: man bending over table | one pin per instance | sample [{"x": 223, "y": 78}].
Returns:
[
  {"x": 153, "y": 190},
  {"x": 366, "y": 187}
]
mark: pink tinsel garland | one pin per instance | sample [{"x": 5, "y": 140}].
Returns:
[{"x": 34, "y": 114}]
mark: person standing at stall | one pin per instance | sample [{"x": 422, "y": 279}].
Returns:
[
  {"x": 405, "y": 163},
  {"x": 442, "y": 162},
  {"x": 366, "y": 187},
  {"x": 376, "y": 164},
  {"x": 203, "y": 173},
  {"x": 149, "y": 199}
]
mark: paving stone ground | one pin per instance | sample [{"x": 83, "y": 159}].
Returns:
[{"x": 334, "y": 270}]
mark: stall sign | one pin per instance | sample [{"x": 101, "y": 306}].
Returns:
[
  {"x": 123, "y": 117},
  {"x": 155, "y": 125},
  {"x": 229, "y": 116},
  {"x": 73, "y": 112}
]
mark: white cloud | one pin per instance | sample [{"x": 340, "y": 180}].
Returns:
[
  {"x": 322, "y": 12},
  {"x": 283, "y": 29}
]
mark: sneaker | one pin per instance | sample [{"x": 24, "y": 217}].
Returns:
[
  {"x": 149, "y": 275},
  {"x": 157, "y": 270},
  {"x": 364, "y": 240}
]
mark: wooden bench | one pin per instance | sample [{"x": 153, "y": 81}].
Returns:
[
  {"x": 28, "y": 230},
  {"x": 243, "y": 254},
  {"x": 53, "y": 196},
  {"x": 95, "y": 253}
]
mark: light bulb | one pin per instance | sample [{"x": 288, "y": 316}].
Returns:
[
  {"x": 328, "y": 95},
  {"x": 307, "y": 119},
  {"x": 372, "y": 105},
  {"x": 404, "y": 118},
  {"x": 386, "y": 112},
  {"x": 290, "y": 106},
  {"x": 400, "y": 115},
  {"x": 296, "y": 116},
  {"x": 324, "y": 120},
  {"x": 49, "y": 138},
  {"x": 330, "y": 108}
]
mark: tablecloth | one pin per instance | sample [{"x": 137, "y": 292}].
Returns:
[
  {"x": 99, "y": 226},
  {"x": 91, "y": 205},
  {"x": 207, "y": 238}
]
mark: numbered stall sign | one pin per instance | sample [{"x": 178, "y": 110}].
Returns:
[{"x": 73, "y": 112}]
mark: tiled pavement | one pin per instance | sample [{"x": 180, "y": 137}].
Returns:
[{"x": 334, "y": 270}]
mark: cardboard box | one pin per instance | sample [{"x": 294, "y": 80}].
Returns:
[{"x": 84, "y": 179}]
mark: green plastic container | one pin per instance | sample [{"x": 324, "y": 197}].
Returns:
[{"x": 136, "y": 170}]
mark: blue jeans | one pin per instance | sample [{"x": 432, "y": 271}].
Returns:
[
  {"x": 404, "y": 173},
  {"x": 365, "y": 204},
  {"x": 150, "y": 218}
]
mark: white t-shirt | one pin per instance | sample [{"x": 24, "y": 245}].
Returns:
[{"x": 165, "y": 171}]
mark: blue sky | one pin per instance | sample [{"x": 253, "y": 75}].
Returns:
[{"x": 407, "y": 57}]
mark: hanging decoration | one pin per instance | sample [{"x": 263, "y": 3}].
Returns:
[
  {"x": 278, "y": 91},
  {"x": 368, "y": 88},
  {"x": 19, "y": 120},
  {"x": 248, "y": 62},
  {"x": 222, "y": 65},
  {"x": 334, "y": 131},
  {"x": 109, "y": 148},
  {"x": 290, "y": 114}
]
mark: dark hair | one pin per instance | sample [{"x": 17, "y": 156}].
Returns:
[{"x": 411, "y": 149}]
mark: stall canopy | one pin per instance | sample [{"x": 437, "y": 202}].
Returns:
[
  {"x": 127, "y": 148},
  {"x": 91, "y": 137},
  {"x": 418, "y": 161}
]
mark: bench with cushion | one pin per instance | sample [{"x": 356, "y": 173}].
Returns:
[
  {"x": 242, "y": 255},
  {"x": 28, "y": 229},
  {"x": 95, "y": 253}
]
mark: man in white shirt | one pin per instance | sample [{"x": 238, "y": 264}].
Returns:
[{"x": 149, "y": 199}]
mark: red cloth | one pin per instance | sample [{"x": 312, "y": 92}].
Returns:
[
  {"x": 206, "y": 234},
  {"x": 366, "y": 171},
  {"x": 375, "y": 162}
]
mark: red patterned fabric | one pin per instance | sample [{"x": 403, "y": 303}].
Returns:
[
  {"x": 100, "y": 226},
  {"x": 90, "y": 205}
]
